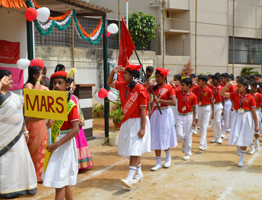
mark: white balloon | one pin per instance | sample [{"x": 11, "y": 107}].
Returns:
[
  {"x": 43, "y": 14},
  {"x": 98, "y": 99},
  {"x": 112, "y": 28},
  {"x": 23, "y": 63},
  {"x": 111, "y": 96}
]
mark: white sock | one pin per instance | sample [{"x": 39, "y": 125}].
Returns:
[
  {"x": 252, "y": 147},
  {"x": 257, "y": 141},
  {"x": 132, "y": 171},
  {"x": 139, "y": 170},
  {"x": 158, "y": 160},
  {"x": 242, "y": 156},
  {"x": 168, "y": 157}
]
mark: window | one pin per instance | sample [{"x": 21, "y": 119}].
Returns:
[{"x": 247, "y": 51}]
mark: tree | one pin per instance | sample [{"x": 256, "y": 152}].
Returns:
[
  {"x": 247, "y": 71},
  {"x": 142, "y": 29}
]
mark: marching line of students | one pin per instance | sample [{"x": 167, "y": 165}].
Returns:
[{"x": 193, "y": 99}]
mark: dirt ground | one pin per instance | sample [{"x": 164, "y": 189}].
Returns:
[{"x": 212, "y": 174}]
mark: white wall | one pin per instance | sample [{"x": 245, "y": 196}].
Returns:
[{"x": 13, "y": 29}]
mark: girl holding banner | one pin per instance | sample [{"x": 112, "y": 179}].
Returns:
[
  {"x": 162, "y": 126},
  {"x": 17, "y": 172},
  {"x": 134, "y": 134},
  {"x": 36, "y": 127}
]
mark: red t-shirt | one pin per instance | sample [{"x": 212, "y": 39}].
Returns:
[
  {"x": 203, "y": 95},
  {"x": 143, "y": 99},
  {"x": 73, "y": 116},
  {"x": 216, "y": 93},
  {"x": 178, "y": 87},
  {"x": 161, "y": 92},
  {"x": 190, "y": 100},
  {"x": 247, "y": 99},
  {"x": 229, "y": 89},
  {"x": 258, "y": 99},
  {"x": 235, "y": 88},
  {"x": 222, "y": 84}
]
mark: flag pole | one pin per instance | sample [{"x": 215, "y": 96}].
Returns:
[
  {"x": 127, "y": 14},
  {"x": 147, "y": 80}
]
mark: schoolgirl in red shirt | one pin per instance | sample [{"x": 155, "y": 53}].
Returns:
[
  {"x": 162, "y": 126},
  {"x": 205, "y": 108},
  {"x": 258, "y": 98},
  {"x": 134, "y": 133},
  {"x": 186, "y": 118},
  {"x": 244, "y": 119}
]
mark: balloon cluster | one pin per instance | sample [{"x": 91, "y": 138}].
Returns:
[
  {"x": 25, "y": 63},
  {"x": 42, "y": 14},
  {"x": 103, "y": 93}
]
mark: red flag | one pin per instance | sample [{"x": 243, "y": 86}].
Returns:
[
  {"x": 125, "y": 50},
  {"x": 9, "y": 52}
]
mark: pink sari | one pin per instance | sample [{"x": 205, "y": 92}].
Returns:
[{"x": 84, "y": 156}]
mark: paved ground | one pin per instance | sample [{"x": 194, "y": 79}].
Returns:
[{"x": 212, "y": 174}]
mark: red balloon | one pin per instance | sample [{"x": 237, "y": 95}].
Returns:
[
  {"x": 30, "y": 14},
  {"x": 37, "y": 62},
  {"x": 108, "y": 34},
  {"x": 102, "y": 93}
]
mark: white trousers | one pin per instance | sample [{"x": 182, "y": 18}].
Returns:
[
  {"x": 227, "y": 112},
  {"x": 184, "y": 131},
  {"x": 216, "y": 122},
  {"x": 204, "y": 113}
]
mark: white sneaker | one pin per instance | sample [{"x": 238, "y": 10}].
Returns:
[
  {"x": 223, "y": 135},
  {"x": 156, "y": 167},
  {"x": 183, "y": 148},
  {"x": 194, "y": 132},
  {"x": 138, "y": 178},
  {"x": 127, "y": 182},
  {"x": 202, "y": 148},
  {"x": 167, "y": 163},
  {"x": 213, "y": 141},
  {"x": 257, "y": 145},
  {"x": 252, "y": 151},
  {"x": 238, "y": 151},
  {"x": 186, "y": 158},
  {"x": 241, "y": 163},
  {"x": 219, "y": 140},
  {"x": 228, "y": 130}
]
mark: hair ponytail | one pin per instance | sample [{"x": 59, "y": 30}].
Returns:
[{"x": 136, "y": 75}]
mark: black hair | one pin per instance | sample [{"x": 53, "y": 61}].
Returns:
[
  {"x": 178, "y": 77},
  {"x": 252, "y": 77},
  {"x": 193, "y": 75},
  {"x": 217, "y": 74},
  {"x": 187, "y": 81},
  {"x": 216, "y": 77},
  {"x": 44, "y": 68},
  {"x": 253, "y": 83},
  {"x": 225, "y": 75},
  {"x": 202, "y": 77},
  {"x": 232, "y": 75},
  {"x": 59, "y": 67},
  {"x": 259, "y": 75},
  {"x": 4, "y": 72},
  {"x": 260, "y": 85},
  {"x": 33, "y": 70},
  {"x": 244, "y": 82},
  {"x": 136, "y": 75},
  {"x": 247, "y": 77},
  {"x": 239, "y": 77},
  {"x": 149, "y": 68},
  {"x": 210, "y": 75}
]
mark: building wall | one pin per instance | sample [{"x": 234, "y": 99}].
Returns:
[{"x": 13, "y": 29}]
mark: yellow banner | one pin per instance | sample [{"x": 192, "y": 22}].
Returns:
[{"x": 45, "y": 104}]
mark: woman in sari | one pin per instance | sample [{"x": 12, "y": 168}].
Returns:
[
  {"x": 17, "y": 172},
  {"x": 36, "y": 127},
  {"x": 84, "y": 156}
]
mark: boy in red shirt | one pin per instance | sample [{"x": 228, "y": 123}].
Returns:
[
  {"x": 186, "y": 118},
  {"x": 218, "y": 107},
  {"x": 205, "y": 108}
]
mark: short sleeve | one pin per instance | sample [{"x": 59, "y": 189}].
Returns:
[
  {"x": 231, "y": 95},
  {"x": 143, "y": 101},
  {"x": 210, "y": 94},
  {"x": 252, "y": 102},
  {"x": 172, "y": 92},
  {"x": 117, "y": 85},
  {"x": 73, "y": 115},
  {"x": 194, "y": 100}
]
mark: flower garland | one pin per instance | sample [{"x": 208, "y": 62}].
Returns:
[
  {"x": 13, "y": 4},
  {"x": 93, "y": 38}
]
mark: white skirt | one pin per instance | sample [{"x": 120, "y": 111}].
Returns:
[
  {"x": 129, "y": 144},
  {"x": 62, "y": 168},
  {"x": 259, "y": 121},
  {"x": 174, "y": 110},
  {"x": 242, "y": 129},
  {"x": 17, "y": 171},
  {"x": 163, "y": 133}
]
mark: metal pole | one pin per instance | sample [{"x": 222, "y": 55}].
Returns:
[
  {"x": 127, "y": 14},
  {"x": 30, "y": 43},
  {"x": 119, "y": 25},
  {"x": 106, "y": 103},
  {"x": 196, "y": 37},
  {"x": 233, "y": 56},
  {"x": 73, "y": 46},
  {"x": 163, "y": 22}
]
